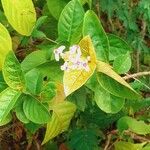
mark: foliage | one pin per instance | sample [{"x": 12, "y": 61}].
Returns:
[{"x": 62, "y": 64}]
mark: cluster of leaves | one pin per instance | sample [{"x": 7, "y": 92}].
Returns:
[{"x": 34, "y": 88}]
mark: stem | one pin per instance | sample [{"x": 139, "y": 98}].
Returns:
[
  {"x": 134, "y": 136},
  {"x": 51, "y": 40},
  {"x": 138, "y": 61},
  {"x": 98, "y": 9},
  {"x": 108, "y": 141},
  {"x": 139, "y": 74}
]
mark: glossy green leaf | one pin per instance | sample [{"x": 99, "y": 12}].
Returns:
[
  {"x": 56, "y": 6},
  {"x": 114, "y": 83},
  {"x": 34, "y": 59},
  {"x": 122, "y": 63},
  {"x": 108, "y": 102},
  {"x": 12, "y": 72},
  {"x": 70, "y": 22},
  {"x": 121, "y": 145},
  {"x": 117, "y": 46},
  {"x": 5, "y": 44},
  {"x": 92, "y": 27},
  {"x": 35, "y": 111},
  {"x": 21, "y": 115},
  {"x": 34, "y": 81},
  {"x": 8, "y": 99},
  {"x": 3, "y": 84},
  {"x": 6, "y": 120},
  {"x": 47, "y": 70},
  {"x": 20, "y": 14},
  {"x": 105, "y": 100},
  {"x": 19, "y": 110},
  {"x": 62, "y": 115},
  {"x": 128, "y": 123}
]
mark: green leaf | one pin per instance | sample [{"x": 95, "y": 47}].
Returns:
[
  {"x": 12, "y": 72},
  {"x": 108, "y": 102},
  {"x": 38, "y": 34},
  {"x": 117, "y": 46},
  {"x": 147, "y": 147},
  {"x": 105, "y": 100},
  {"x": 3, "y": 84},
  {"x": 19, "y": 110},
  {"x": 20, "y": 14},
  {"x": 6, "y": 120},
  {"x": 138, "y": 105},
  {"x": 79, "y": 98},
  {"x": 32, "y": 127},
  {"x": 52, "y": 71},
  {"x": 8, "y": 99},
  {"x": 48, "y": 92},
  {"x": 128, "y": 123},
  {"x": 5, "y": 44},
  {"x": 34, "y": 81},
  {"x": 62, "y": 115},
  {"x": 89, "y": 2},
  {"x": 34, "y": 59},
  {"x": 121, "y": 145},
  {"x": 122, "y": 63},
  {"x": 83, "y": 139},
  {"x": 113, "y": 83},
  {"x": 70, "y": 21},
  {"x": 40, "y": 22},
  {"x": 92, "y": 27},
  {"x": 94, "y": 116},
  {"x": 56, "y": 6},
  {"x": 35, "y": 111}
]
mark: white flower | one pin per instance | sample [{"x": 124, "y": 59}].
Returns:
[
  {"x": 73, "y": 58},
  {"x": 65, "y": 66},
  {"x": 59, "y": 52},
  {"x": 73, "y": 49},
  {"x": 75, "y": 53}
]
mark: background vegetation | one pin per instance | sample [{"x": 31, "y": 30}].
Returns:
[{"x": 122, "y": 127}]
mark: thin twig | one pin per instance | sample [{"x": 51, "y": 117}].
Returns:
[
  {"x": 108, "y": 141},
  {"x": 140, "y": 82},
  {"x": 138, "y": 61},
  {"x": 51, "y": 40},
  {"x": 98, "y": 8},
  {"x": 139, "y": 74},
  {"x": 134, "y": 136}
]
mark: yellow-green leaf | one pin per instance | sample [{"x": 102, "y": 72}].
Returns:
[
  {"x": 121, "y": 145},
  {"x": 5, "y": 44},
  {"x": 8, "y": 99},
  {"x": 74, "y": 79},
  {"x": 128, "y": 123},
  {"x": 62, "y": 115},
  {"x": 6, "y": 120},
  {"x": 12, "y": 72},
  {"x": 20, "y": 14},
  {"x": 109, "y": 79}
]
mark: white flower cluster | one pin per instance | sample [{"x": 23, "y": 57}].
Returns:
[{"x": 73, "y": 58}]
